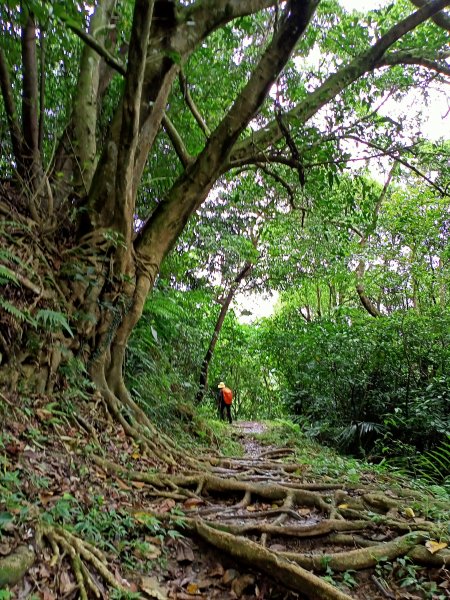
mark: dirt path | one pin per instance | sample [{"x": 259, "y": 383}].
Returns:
[
  {"x": 281, "y": 533},
  {"x": 247, "y": 429},
  {"x": 254, "y": 527}
]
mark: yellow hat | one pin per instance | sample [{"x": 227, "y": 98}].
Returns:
[{"x": 221, "y": 385}]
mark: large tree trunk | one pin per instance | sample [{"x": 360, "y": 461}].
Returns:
[{"x": 96, "y": 277}]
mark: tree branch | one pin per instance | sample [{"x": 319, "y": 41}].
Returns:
[
  {"x": 41, "y": 89},
  {"x": 441, "y": 19},
  {"x": 90, "y": 41},
  {"x": 124, "y": 204},
  {"x": 85, "y": 109},
  {"x": 282, "y": 182},
  {"x": 30, "y": 88},
  {"x": 177, "y": 142},
  {"x": 192, "y": 107},
  {"x": 400, "y": 160},
  {"x": 360, "y": 269},
  {"x": 337, "y": 82},
  {"x": 203, "y": 17},
  {"x": 409, "y": 58},
  {"x": 218, "y": 327}
]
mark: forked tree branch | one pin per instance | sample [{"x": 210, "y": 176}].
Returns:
[{"x": 169, "y": 218}]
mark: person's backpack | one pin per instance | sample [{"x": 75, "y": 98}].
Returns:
[{"x": 227, "y": 395}]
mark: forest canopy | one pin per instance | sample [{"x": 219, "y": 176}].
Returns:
[
  {"x": 162, "y": 161},
  {"x": 215, "y": 147}
]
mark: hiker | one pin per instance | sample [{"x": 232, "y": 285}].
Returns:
[{"x": 225, "y": 400}]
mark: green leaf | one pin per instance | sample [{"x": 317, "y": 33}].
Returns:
[
  {"x": 53, "y": 320},
  {"x": 20, "y": 315},
  {"x": 6, "y": 275}
]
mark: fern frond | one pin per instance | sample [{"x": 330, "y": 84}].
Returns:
[
  {"x": 14, "y": 224},
  {"x": 9, "y": 256},
  {"x": 435, "y": 464},
  {"x": 52, "y": 319},
  {"x": 18, "y": 314},
  {"x": 7, "y": 276}
]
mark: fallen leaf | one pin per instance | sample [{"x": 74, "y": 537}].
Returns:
[
  {"x": 242, "y": 583},
  {"x": 216, "y": 571},
  {"x": 252, "y": 508},
  {"x": 409, "y": 513},
  {"x": 166, "y": 505},
  {"x": 150, "y": 585},
  {"x": 122, "y": 485},
  {"x": 47, "y": 594},
  {"x": 44, "y": 572},
  {"x": 138, "y": 484},
  {"x": 304, "y": 511},
  {"x": 43, "y": 414},
  {"x": 66, "y": 585},
  {"x": 433, "y": 546},
  {"x": 153, "y": 540},
  {"x": 277, "y": 547},
  {"x": 192, "y": 502},
  {"x": 118, "y": 577},
  {"x": 15, "y": 447},
  {"x": 185, "y": 553},
  {"x": 192, "y": 588},
  {"x": 229, "y": 575},
  {"x": 45, "y": 498},
  {"x": 135, "y": 455}
]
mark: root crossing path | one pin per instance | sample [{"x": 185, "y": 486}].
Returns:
[
  {"x": 173, "y": 526},
  {"x": 294, "y": 537}
]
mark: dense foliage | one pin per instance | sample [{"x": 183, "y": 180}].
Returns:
[{"x": 209, "y": 148}]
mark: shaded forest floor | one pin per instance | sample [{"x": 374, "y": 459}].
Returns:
[{"x": 85, "y": 512}]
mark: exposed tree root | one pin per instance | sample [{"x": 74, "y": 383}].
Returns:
[
  {"x": 276, "y": 453},
  {"x": 14, "y": 566},
  {"x": 359, "y": 559},
  {"x": 290, "y": 575},
  {"x": 421, "y": 556},
  {"x": 239, "y": 501},
  {"x": 81, "y": 554}
]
